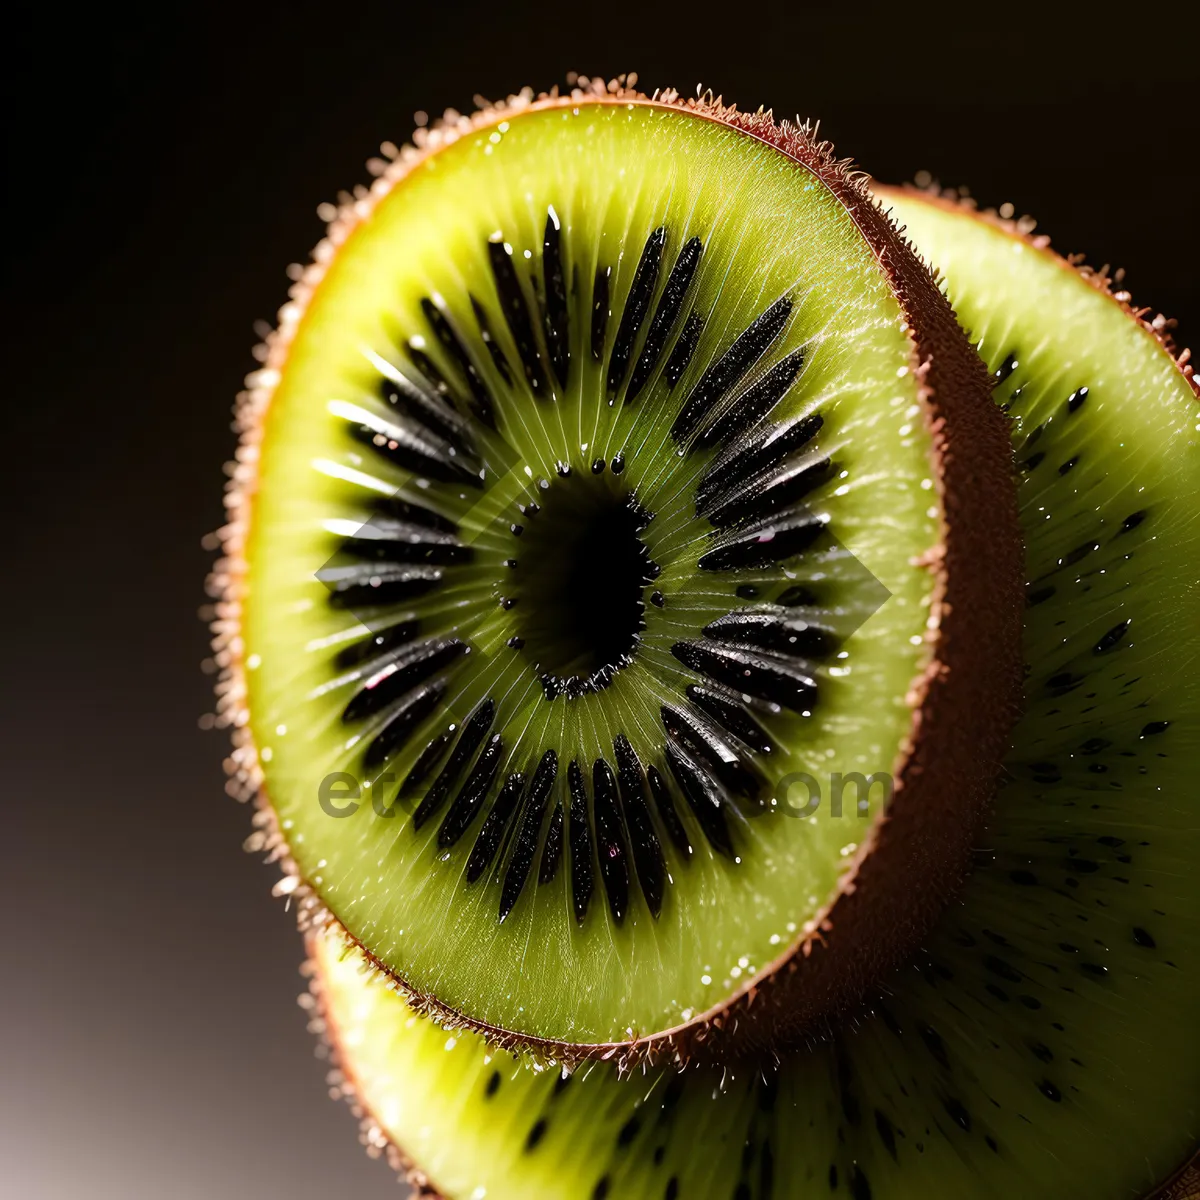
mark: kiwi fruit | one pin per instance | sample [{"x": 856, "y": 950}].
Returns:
[
  {"x": 1043, "y": 1043},
  {"x": 622, "y": 589}
]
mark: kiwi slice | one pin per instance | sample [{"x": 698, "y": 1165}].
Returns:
[
  {"x": 1044, "y": 1042},
  {"x": 618, "y": 505}
]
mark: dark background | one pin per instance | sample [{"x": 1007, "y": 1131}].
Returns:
[{"x": 161, "y": 172}]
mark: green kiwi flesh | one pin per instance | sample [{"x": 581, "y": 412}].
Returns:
[
  {"x": 1044, "y": 1044},
  {"x": 551, "y": 372}
]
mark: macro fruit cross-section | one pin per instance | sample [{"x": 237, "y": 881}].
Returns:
[
  {"x": 618, "y": 505},
  {"x": 1044, "y": 1043}
]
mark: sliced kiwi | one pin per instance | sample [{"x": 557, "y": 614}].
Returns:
[
  {"x": 619, "y": 504},
  {"x": 1044, "y": 1043}
]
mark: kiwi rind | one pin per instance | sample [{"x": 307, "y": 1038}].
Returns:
[
  {"x": 912, "y": 863},
  {"x": 1184, "y": 1183}
]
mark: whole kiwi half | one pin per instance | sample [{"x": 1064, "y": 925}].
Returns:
[
  {"x": 621, "y": 593},
  {"x": 1043, "y": 1044}
]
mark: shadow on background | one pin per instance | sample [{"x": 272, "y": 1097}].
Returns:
[{"x": 162, "y": 172}]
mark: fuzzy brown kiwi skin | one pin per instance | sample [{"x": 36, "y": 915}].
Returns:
[
  {"x": 964, "y": 704},
  {"x": 1185, "y": 1185},
  {"x": 342, "y": 1084}
]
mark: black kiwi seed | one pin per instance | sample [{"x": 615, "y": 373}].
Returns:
[
  {"x": 409, "y": 667},
  {"x": 756, "y": 402},
  {"x": 414, "y": 514},
  {"x": 715, "y": 384},
  {"x": 669, "y": 306},
  {"x": 886, "y": 1132},
  {"x": 552, "y": 851},
  {"x": 494, "y": 827},
  {"x": 482, "y": 403},
  {"x": 529, "y": 830},
  {"x": 703, "y": 797},
  {"x": 580, "y": 835},
  {"x": 558, "y": 338},
  {"x": 516, "y": 312},
  {"x": 745, "y": 459},
  {"x": 427, "y": 407},
  {"x": 685, "y": 347},
  {"x": 766, "y": 1171},
  {"x": 414, "y": 449},
  {"x": 731, "y": 716},
  {"x": 366, "y": 585},
  {"x": 664, "y": 804},
  {"x": 860, "y": 1188},
  {"x": 772, "y": 631},
  {"x": 770, "y": 540},
  {"x": 796, "y": 596},
  {"x": 704, "y": 744},
  {"x": 610, "y": 840},
  {"x": 600, "y": 310},
  {"x": 778, "y": 681},
  {"x": 1003, "y": 969},
  {"x": 958, "y": 1113},
  {"x": 935, "y": 1045},
  {"x": 404, "y": 721},
  {"x": 485, "y": 334},
  {"x": 771, "y": 493},
  {"x": 474, "y": 731},
  {"x": 647, "y": 852},
  {"x": 426, "y": 761},
  {"x": 376, "y": 647},
  {"x": 1006, "y": 368},
  {"x": 1111, "y": 638},
  {"x": 471, "y": 796},
  {"x": 637, "y": 304},
  {"x": 536, "y": 1133}
]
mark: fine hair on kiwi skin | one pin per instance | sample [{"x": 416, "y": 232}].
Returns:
[
  {"x": 899, "y": 880},
  {"x": 1005, "y": 1036}
]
